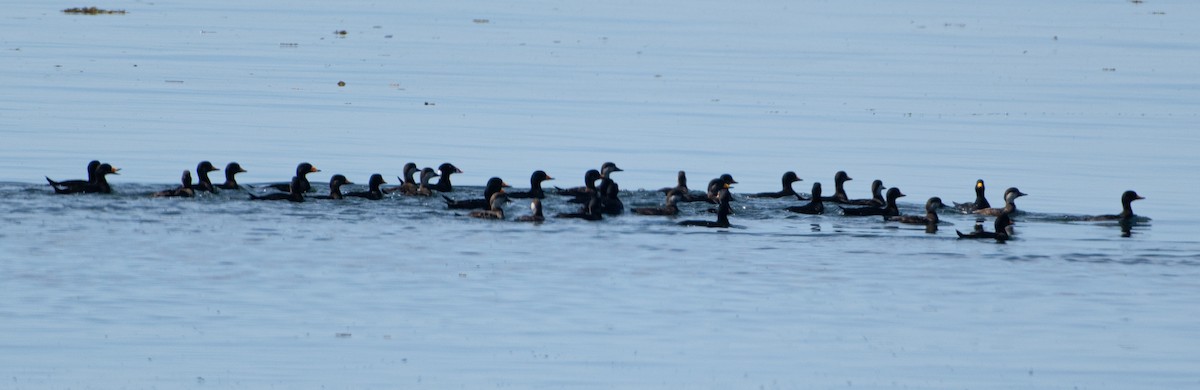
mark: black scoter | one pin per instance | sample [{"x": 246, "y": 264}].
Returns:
[
  {"x": 789, "y": 177},
  {"x": 1010, "y": 205},
  {"x": 231, "y": 183},
  {"x": 374, "y": 192},
  {"x": 76, "y": 185},
  {"x": 814, "y": 206},
  {"x": 889, "y": 210},
  {"x": 335, "y": 187},
  {"x": 184, "y": 191},
  {"x": 494, "y": 185},
  {"x": 535, "y": 187},
  {"x": 980, "y": 202}
]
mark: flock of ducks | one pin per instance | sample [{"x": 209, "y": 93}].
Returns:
[{"x": 599, "y": 200}]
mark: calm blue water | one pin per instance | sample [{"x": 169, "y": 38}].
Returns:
[{"x": 128, "y": 291}]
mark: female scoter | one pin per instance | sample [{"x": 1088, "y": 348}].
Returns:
[
  {"x": 1010, "y": 206},
  {"x": 425, "y": 189},
  {"x": 203, "y": 183},
  {"x": 374, "y": 193},
  {"x": 494, "y": 185},
  {"x": 443, "y": 184},
  {"x": 99, "y": 184},
  {"x": 980, "y": 202},
  {"x": 335, "y": 187},
  {"x": 231, "y": 169},
  {"x": 1003, "y": 227},
  {"x": 839, "y": 190},
  {"x": 1126, "y": 214},
  {"x": 408, "y": 184},
  {"x": 789, "y": 177},
  {"x": 496, "y": 211},
  {"x": 76, "y": 185},
  {"x": 536, "y": 206},
  {"x": 294, "y": 194},
  {"x": 930, "y": 217},
  {"x": 183, "y": 191},
  {"x": 302, "y": 170},
  {"x": 670, "y": 209},
  {"x": 888, "y": 211},
  {"x": 723, "y": 209},
  {"x": 680, "y": 184},
  {"x": 535, "y": 187},
  {"x": 877, "y": 199},
  {"x": 814, "y": 206}
]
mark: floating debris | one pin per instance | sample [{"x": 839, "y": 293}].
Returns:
[
  {"x": 93, "y": 11},
  {"x": 285, "y": 44},
  {"x": 1108, "y": 69},
  {"x": 341, "y": 83},
  {"x": 340, "y": 32},
  {"x": 481, "y": 21},
  {"x": 342, "y": 335}
]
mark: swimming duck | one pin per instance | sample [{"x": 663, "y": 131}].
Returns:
[
  {"x": 72, "y": 186},
  {"x": 183, "y": 191},
  {"x": 204, "y": 184},
  {"x": 335, "y": 187},
  {"x": 590, "y": 212},
  {"x": 930, "y": 217},
  {"x": 839, "y": 191},
  {"x": 425, "y": 189},
  {"x": 889, "y": 210},
  {"x": 536, "y": 206},
  {"x": 374, "y": 192},
  {"x": 231, "y": 169},
  {"x": 443, "y": 184},
  {"x": 714, "y": 189},
  {"x": 1126, "y": 214},
  {"x": 789, "y": 177},
  {"x": 877, "y": 199},
  {"x": 723, "y": 209},
  {"x": 814, "y": 206},
  {"x": 494, "y": 185},
  {"x": 496, "y": 211},
  {"x": 99, "y": 184},
  {"x": 1010, "y": 206},
  {"x": 980, "y": 202},
  {"x": 535, "y": 187},
  {"x": 1003, "y": 230},
  {"x": 302, "y": 171}
]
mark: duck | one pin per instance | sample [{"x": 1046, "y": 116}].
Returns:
[
  {"x": 980, "y": 202},
  {"x": 231, "y": 183},
  {"x": 714, "y": 189},
  {"x": 587, "y": 192},
  {"x": 889, "y": 210},
  {"x": 877, "y": 199},
  {"x": 680, "y": 184},
  {"x": 1010, "y": 206},
  {"x": 814, "y": 206},
  {"x": 670, "y": 209},
  {"x": 496, "y": 211},
  {"x": 335, "y": 187},
  {"x": 609, "y": 193},
  {"x": 930, "y": 217},
  {"x": 1003, "y": 230},
  {"x": 98, "y": 184},
  {"x": 408, "y": 184},
  {"x": 1126, "y": 214},
  {"x": 494, "y": 185},
  {"x": 374, "y": 192},
  {"x": 839, "y": 190},
  {"x": 425, "y": 189},
  {"x": 536, "y": 206},
  {"x": 443, "y": 184},
  {"x": 295, "y": 194},
  {"x": 76, "y": 185},
  {"x": 581, "y": 193},
  {"x": 203, "y": 183},
  {"x": 789, "y": 177},
  {"x": 535, "y": 187},
  {"x": 183, "y": 191},
  {"x": 723, "y": 209},
  {"x": 300, "y": 181}
]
